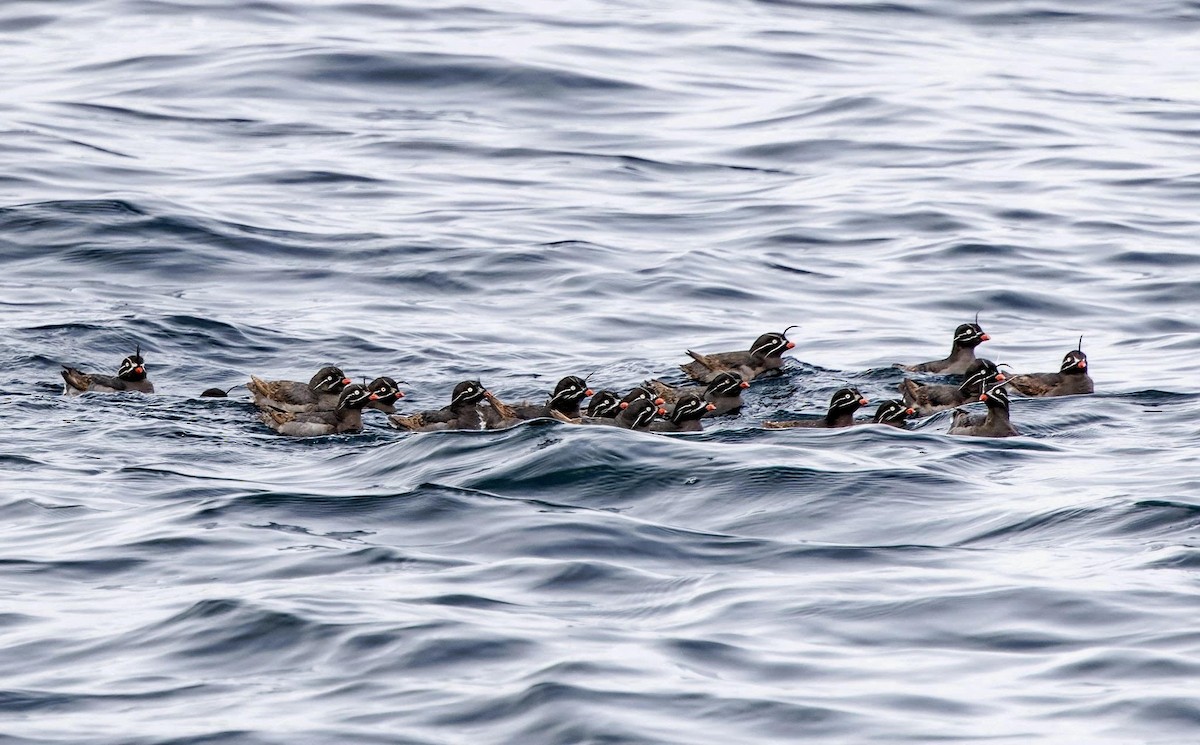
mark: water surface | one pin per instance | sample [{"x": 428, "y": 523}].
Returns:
[{"x": 519, "y": 191}]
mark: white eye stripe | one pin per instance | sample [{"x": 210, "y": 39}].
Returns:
[
  {"x": 727, "y": 385},
  {"x": 1070, "y": 361},
  {"x": 780, "y": 343},
  {"x": 977, "y": 377}
]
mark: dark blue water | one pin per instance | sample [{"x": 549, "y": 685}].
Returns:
[{"x": 523, "y": 190}]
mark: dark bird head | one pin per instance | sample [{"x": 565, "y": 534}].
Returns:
[
  {"x": 726, "y": 384},
  {"x": 329, "y": 380},
  {"x": 640, "y": 413},
  {"x": 771, "y": 345},
  {"x": 133, "y": 367},
  {"x": 570, "y": 390},
  {"x": 219, "y": 392},
  {"x": 690, "y": 407},
  {"x": 846, "y": 400},
  {"x": 893, "y": 412},
  {"x": 970, "y": 335},
  {"x": 467, "y": 393},
  {"x": 996, "y": 398},
  {"x": 980, "y": 374},
  {"x": 1075, "y": 361},
  {"x": 355, "y": 396},
  {"x": 386, "y": 390},
  {"x": 637, "y": 394},
  {"x": 604, "y": 404}
]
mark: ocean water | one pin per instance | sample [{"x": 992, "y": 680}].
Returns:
[{"x": 523, "y": 190}]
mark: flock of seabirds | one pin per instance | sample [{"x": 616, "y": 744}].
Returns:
[{"x": 330, "y": 403}]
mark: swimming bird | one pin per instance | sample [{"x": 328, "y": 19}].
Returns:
[
  {"x": 463, "y": 412},
  {"x": 638, "y": 415},
  {"x": 602, "y": 409},
  {"x": 563, "y": 403},
  {"x": 842, "y": 406},
  {"x": 929, "y": 398},
  {"x": 962, "y": 351},
  {"x": 995, "y": 423},
  {"x": 724, "y": 392},
  {"x": 891, "y": 412},
  {"x": 131, "y": 376},
  {"x": 345, "y": 418},
  {"x": 387, "y": 392},
  {"x": 640, "y": 392},
  {"x": 765, "y": 354},
  {"x": 1072, "y": 378},
  {"x": 686, "y": 415},
  {"x": 321, "y": 393}
]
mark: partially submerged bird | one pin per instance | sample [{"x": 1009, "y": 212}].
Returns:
[
  {"x": 387, "y": 392},
  {"x": 765, "y": 354},
  {"x": 640, "y": 392},
  {"x": 131, "y": 376},
  {"x": 321, "y": 393},
  {"x": 962, "y": 351},
  {"x": 638, "y": 415},
  {"x": 563, "y": 404},
  {"x": 463, "y": 412},
  {"x": 602, "y": 409},
  {"x": 892, "y": 413},
  {"x": 995, "y": 423},
  {"x": 929, "y": 398},
  {"x": 724, "y": 392},
  {"x": 606, "y": 408},
  {"x": 842, "y": 406},
  {"x": 345, "y": 418},
  {"x": 1072, "y": 378},
  {"x": 686, "y": 415}
]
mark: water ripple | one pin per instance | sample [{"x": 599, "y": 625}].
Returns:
[{"x": 515, "y": 194}]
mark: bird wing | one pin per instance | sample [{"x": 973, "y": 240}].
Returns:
[
  {"x": 283, "y": 391},
  {"x": 1032, "y": 385},
  {"x": 76, "y": 379},
  {"x": 668, "y": 393}
]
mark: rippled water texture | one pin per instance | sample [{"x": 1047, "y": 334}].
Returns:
[{"x": 523, "y": 190}]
